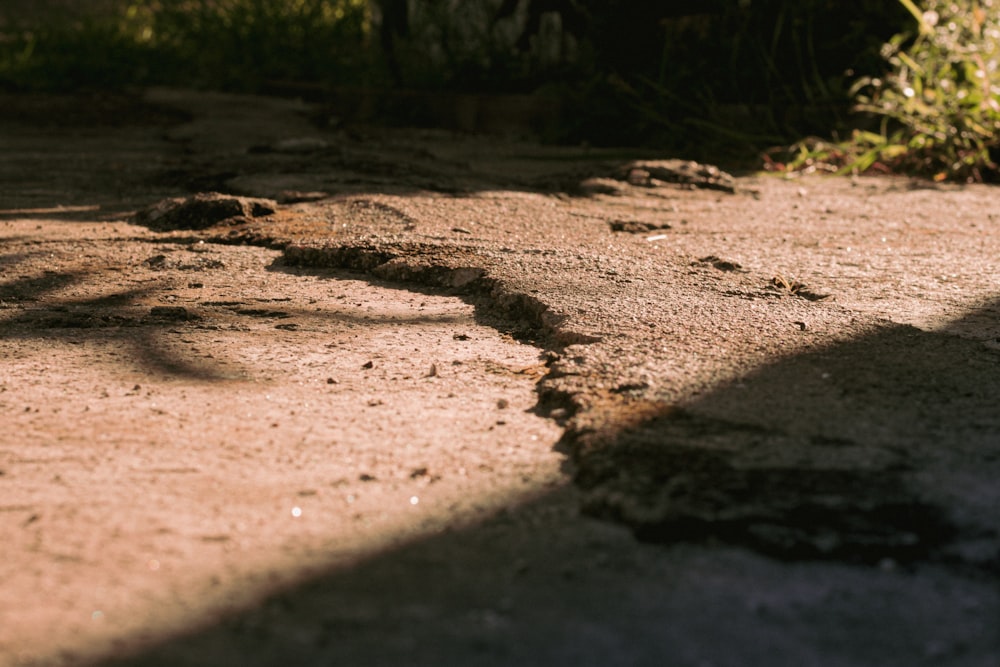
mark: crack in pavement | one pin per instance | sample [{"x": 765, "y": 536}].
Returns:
[{"x": 658, "y": 477}]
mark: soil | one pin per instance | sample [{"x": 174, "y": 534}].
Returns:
[{"x": 278, "y": 389}]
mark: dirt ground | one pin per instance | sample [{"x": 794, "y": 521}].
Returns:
[{"x": 440, "y": 399}]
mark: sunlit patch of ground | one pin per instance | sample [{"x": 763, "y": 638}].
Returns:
[{"x": 182, "y": 436}]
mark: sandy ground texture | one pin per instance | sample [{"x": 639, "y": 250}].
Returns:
[{"x": 418, "y": 398}]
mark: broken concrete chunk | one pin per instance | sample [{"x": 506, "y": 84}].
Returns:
[
  {"x": 650, "y": 173},
  {"x": 202, "y": 210}
]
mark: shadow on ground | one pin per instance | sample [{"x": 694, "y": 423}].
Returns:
[
  {"x": 877, "y": 448},
  {"x": 838, "y": 507},
  {"x": 142, "y": 334}
]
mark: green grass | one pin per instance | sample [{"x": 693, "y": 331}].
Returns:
[{"x": 937, "y": 108}]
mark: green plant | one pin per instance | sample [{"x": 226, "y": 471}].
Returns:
[{"x": 938, "y": 106}]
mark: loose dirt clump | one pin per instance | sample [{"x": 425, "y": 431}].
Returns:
[{"x": 202, "y": 210}]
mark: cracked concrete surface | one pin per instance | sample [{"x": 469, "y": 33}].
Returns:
[{"x": 787, "y": 393}]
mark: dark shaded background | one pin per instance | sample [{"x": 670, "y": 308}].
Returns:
[{"x": 709, "y": 76}]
